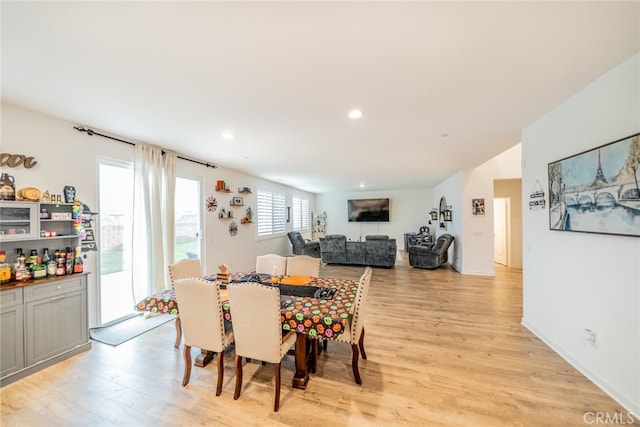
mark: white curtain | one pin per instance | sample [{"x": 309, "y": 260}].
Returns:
[{"x": 153, "y": 219}]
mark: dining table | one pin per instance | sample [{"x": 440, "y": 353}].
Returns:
[{"x": 311, "y": 317}]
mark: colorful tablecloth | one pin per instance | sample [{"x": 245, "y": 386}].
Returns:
[{"x": 318, "y": 318}]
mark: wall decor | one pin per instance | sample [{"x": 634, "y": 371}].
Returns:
[
  {"x": 233, "y": 228},
  {"x": 597, "y": 191},
  {"x": 248, "y": 217},
  {"x": 236, "y": 201},
  {"x": 212, "y": 204},
  {"x": 244, "y": 190},
  {"x": 537, "y": 201},
  {"x": 441, "y": 210},
  {"x": 477, "y": 206},
  {"x": 15, "y": 160}
]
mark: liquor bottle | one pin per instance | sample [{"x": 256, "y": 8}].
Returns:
[
  {"x": 45, "y": 257},
  {"x": 51, "y": 267},
  {"x": 14, "y": 267},
  {"x": 61, "y": 268},
  {"x": 33, "y": 257},
  {"x": 22, "y": 272},
  {"x": 5, "y": 268},
  {"x": 68, "y": 261},
  {"x": 38, "y": 271},
  {"x": 78, "y": 265}
]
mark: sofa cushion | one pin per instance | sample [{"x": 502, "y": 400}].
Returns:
[{"x": 376, "y": 237}]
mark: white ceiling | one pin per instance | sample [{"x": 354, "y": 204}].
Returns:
[{"x": 283, "y": 75}]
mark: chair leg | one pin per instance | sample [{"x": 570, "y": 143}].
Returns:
[
  {"x": 354, "y": 363},
  {"x": 324, "y": 345},
  {"x": 236, "y": 393},
  {"x": 361, "y": 344},
  {"x": 178, "y": 331},
  {"x": 187, "y": 365},
  {"x": 220, "y": 372},
  {"x": 276, "y": 405}
]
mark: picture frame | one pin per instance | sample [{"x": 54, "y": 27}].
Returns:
[
  {"x": 236, "y": 201},
  {"x": 477, "y": 206},
  {"x": 597, "y": 191}
]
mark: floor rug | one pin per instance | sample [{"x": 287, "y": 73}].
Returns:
[{"x": 120, "y": 332}]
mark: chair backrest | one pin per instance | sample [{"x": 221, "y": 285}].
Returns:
[
  {"x": 265, "y": 264},
  {"x": 360, "y": 305},
  {"x": 184, "y": 268},
  {"x": 442, "y": 244},
  {"x": 255, "y": 316},
  {"x": 201, "y": 313},
  {"x": 303, "y": 265},
  {"x": 297, "y": 241}
]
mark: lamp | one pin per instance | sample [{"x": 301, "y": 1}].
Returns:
[
  {"x": 434, "y": 215},
  {"x": 447, "y": 213}
]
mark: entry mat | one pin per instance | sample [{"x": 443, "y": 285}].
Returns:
[{"x": 118, "y": 333}]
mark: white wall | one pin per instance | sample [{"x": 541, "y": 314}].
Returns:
[
  {"x": 574, "y": 281},
  {"x": 68, "y": 157},
  {"x": 409, "y": 210},
  {"x": 472, "y": 251},
  {"x": 451, "y": 189}
]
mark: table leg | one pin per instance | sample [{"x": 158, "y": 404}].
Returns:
[
  {"x": 204, "y": 357},
  {"x": 301, "y": 377}
]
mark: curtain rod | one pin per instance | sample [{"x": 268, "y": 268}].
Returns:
[{"x": 91, "y": 132}]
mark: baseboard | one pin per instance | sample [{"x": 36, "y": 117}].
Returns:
[
  {"x": 25, "y": 372},
  {"x": 611, "y": 391}
]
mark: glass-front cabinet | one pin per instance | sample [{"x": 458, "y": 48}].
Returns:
[{"x": 18, "y": 221}]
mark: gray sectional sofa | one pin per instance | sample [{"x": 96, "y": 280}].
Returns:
[{"x": 374, "y": 251}]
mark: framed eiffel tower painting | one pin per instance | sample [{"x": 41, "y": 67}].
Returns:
[{"x": 597, "y": 191}]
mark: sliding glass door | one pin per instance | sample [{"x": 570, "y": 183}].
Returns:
[{"x": 116, "y": 218}]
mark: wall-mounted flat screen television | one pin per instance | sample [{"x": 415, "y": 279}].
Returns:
[{"x": 368, "y": 210}]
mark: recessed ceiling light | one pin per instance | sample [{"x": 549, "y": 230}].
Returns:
[
  {"x": 355, "y": 114},
  {"x": 227, "y": 135},
  {"x": 362, "y": 185}
]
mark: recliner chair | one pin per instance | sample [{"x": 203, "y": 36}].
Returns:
[
  {"x": 301, "y": 246},
  {"x": 430, "y": 255}
]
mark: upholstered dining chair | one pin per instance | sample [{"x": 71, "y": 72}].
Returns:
[
  {"x": 203, "y": 322},
  {"x": 271, "y": 264},
  {"x": 255, "y": 314},
  {"x": 181, "y": 270},
  {"x": 354, "y": 333},
  {"x": 303, "y": 265}
]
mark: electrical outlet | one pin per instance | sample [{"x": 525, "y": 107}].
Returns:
[{"x": 589, "y": 335}]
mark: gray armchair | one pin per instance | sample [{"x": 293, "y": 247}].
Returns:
[
  {"x": 301, "y": 246},
  {"x": 430, "y": 255}
]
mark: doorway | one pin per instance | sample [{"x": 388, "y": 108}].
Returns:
[
  {"x": 501, "y": 209},
  {"x": 115, "y": 202}
]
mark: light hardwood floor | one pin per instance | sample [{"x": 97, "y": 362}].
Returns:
[{"x": 443, "y": 350}]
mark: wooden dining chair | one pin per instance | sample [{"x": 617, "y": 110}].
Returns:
[
  {"x": 257, "y": 329},
  {"x": 303, "y": 265},
  {"x": 354, "y": 333},
  {"x": 181, "y": 270},
  {"x": 203, "y": 322},
  {"x": 271, "y": 264}
]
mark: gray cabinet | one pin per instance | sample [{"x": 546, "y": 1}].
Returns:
[
  {"x": 55, "y": 319},
  {"x": 11, "y": 332},
  {"x": 42, "y": 324}
]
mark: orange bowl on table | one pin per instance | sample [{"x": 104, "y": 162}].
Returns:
[{"x": 296, "y": 280}]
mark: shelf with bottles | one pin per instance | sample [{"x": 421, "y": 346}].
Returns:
[{"x": 23, "y": 221}]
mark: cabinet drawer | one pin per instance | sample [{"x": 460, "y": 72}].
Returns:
[
  {"x": 10, "y": 297},
  {"x": 54, "y": 289}
]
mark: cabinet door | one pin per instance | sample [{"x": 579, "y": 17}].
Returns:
[
  {"x": 12, "y": 340},
  {"x": 18, "y": 221},
  {"x": 55, "y": 325}
]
